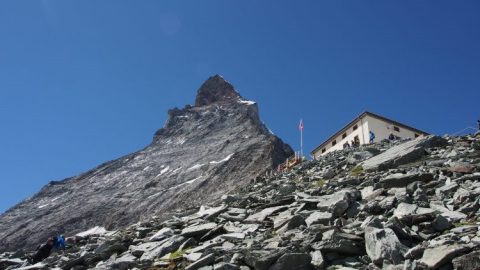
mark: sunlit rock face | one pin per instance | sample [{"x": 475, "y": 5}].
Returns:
[{"x": 202, "y": 152}]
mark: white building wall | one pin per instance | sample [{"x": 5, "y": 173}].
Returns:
[
  {"x": 365, "y": 132},
  {"x": 383, "y": 129},
  {"x": 380, "y": 128}
]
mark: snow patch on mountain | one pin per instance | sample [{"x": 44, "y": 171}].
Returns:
[
  {"x": 248, "y": 102},
  {"x": 164, "y": 171},
  {"x": 56, "y": 198},
  {"x": 42, "y": 206},
  {"x": 223, "y": 160},
  {"x": 97, "y": 230},
  {"x": 195, "y": 167}
]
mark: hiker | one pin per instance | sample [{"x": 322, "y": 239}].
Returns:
[
  {"x": 356, "y": 141},
  {"x": 59, "y": 242},
  {"x": 372, "y": 136},
  {"x": 43, "y": 251}
]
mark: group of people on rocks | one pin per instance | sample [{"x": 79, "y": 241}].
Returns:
[
  {"x": 356, "y": 142},
  {"x": 43, "y": 251}
]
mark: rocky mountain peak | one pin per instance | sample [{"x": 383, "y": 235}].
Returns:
[
  {"x": 215, "y": 89},
  {"x": 201, "y": 153}
]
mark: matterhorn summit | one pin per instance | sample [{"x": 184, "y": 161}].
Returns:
[{"x": 203, "y": 152}]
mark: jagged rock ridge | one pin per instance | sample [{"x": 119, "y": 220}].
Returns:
[{"x": 202, "y": 152}]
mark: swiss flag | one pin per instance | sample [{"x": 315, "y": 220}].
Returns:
[{"x": 300, "y": 126}]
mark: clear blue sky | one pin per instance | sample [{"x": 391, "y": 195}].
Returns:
[{"x": 84, "y": 82}]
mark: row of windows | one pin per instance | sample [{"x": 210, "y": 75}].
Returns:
[
  {"x": 355, "y": 127},
  {"x": 344, "y": 135}
]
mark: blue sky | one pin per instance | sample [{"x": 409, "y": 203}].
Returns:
[{"x": 84, "y": 82}]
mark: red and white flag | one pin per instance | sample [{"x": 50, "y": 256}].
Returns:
[{"x": 300, "y": 126}]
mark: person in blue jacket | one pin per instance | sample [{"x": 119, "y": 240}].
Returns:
[
  {"x": 59, "y": 242},
  {"x": 372, "y": 136}
]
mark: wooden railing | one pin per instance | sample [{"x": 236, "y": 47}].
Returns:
[{"x": 290, "y": 163}]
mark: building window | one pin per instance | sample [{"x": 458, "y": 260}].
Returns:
[
  {"x": 344, "y": 135},
  {"x": 355, "y": 127},
  {"x": 397, "y": 129},
  {"x": 334, "y": 142},
  {"x": 323, "y": 150},
  {"x": 416, "y": 135}
]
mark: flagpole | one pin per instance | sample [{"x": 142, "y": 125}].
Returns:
[
  {"x": 301, "y": 143},
  {"x": 301, "y": 139}
]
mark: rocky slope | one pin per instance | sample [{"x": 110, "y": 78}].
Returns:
[
  {"x": 203, "y": 151},
  {"x": 401, "y": 205}
]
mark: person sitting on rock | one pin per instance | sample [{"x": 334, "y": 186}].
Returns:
[
  {"x": 43, "y": 251},
  {"x": 356, "y": 142}
]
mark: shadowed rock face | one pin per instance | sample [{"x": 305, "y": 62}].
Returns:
[
  {"x": 215, "y": 89},
  {"x": 201, "y": 153}
]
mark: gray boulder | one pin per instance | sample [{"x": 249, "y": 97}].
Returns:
[
  {"x": 383, "y": 244},
  {"x": 317, "y": 259},
  {"x": 356, "y": 157},
  {"x": 338, "y": 202},
  {"x": 470, "y": 261},
  {"x": 282, "y": 218},
  {"x": 440, "y": 224},
  {"x": 162, "y": 234},
  {"x": 127, "y": 261},
  {"x": 295, "y": 222},
  {"x": 452, "y": 216},
  {"x": 342, "y": 243},
  {"x": 402, "y": 180},
  {"x": 446, "y": 190},
  {"x": 415, "y": 252},
  {"x": 293, "y": 261},
  {"x": 433, "y": 258},
  {"x": 329, "y": 173},
  {"x": 204, "y": 261},
  {"x": 412, "y": 214},
  {"x": 225, "y": 266},
  {"x": 105, "y": 250},
  {"x": 170, "y": 245},
  {"x": 140, "y": 249},
  {"x": 5, "y": 263},
  {"x": 198, "y": 230},
  {"x": 404, "y": 153},
  {"x": 318, "y": 218},
  {"x": 37, "y": 266},
  {"x": 259, "y": 217},
  {"x": 262, "y": 259}
]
